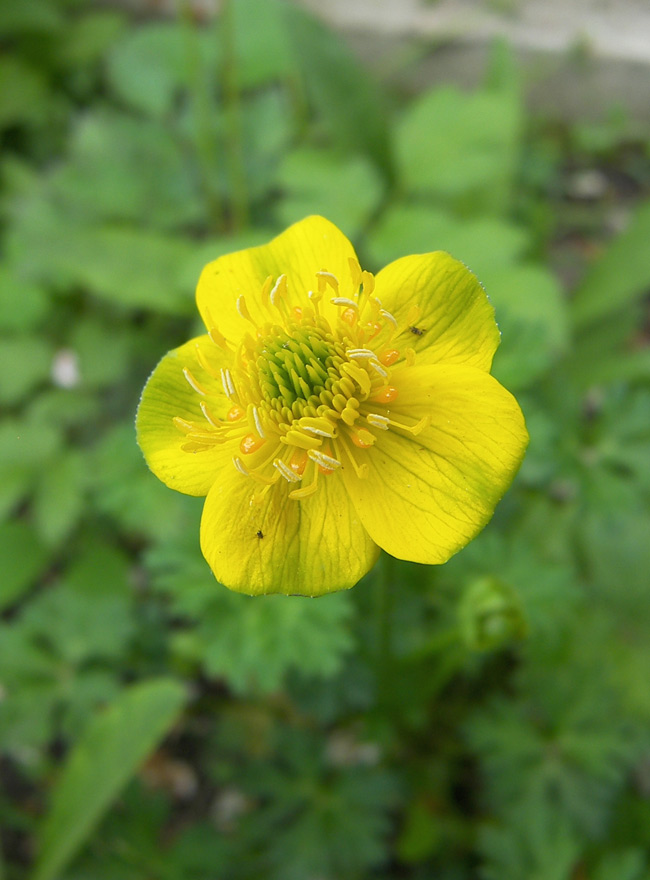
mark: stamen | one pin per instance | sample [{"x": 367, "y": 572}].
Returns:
[
  {"x": 415, "y": 429},
  {"x": 183, "y": 425},
  {"x": 410, "y": 356},
  {"x": 302, "y": 441},
  {"x": 344, "y": 301},
  {"x": 360, "y": 376},
  {"x": 192, "y": 382},
  {"x": 240, "y": 467},
  {"x": 242, "y": 308},
  {"x": 218, "y": 338},
  {"x": 203, "y": 361},
  {"x": 323, "y": 460},
  {"x": 327, "y": 278},
  {"x": 266, "y": 287},
  {"x": 355, "y": 272},
  {"x": 258, "y": 423},
  {"x": 378, "y": 369},
  {"x": 286, "y": 471},
  {"x": 305, "y": 491},
  {"x": 388, "y": 317},
  {"x": 378, "y": 421},
  {"x": 226, "y": 381},
  {"x": 279, "y": 288},
  {"x": 208, "y": 415},
  {"x": 360, "y": 353},
  {"x": 368, "y": 281}
]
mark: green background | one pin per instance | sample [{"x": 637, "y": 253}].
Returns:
[{"x": 487, "y": 719}]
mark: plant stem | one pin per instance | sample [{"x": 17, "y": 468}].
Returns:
[
  {"x": 203, "y": 138},
  {"x": 383, "y": 625},
  {"x": 232, "y": 115}
]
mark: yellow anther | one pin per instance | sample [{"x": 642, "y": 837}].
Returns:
[
  {"x": 192, "y": 382},
  {"x": 302, "y": 441},
  {"x": 355, "y": 272},
  {"x": 183, "y": 425},
  {"x": 242, "y": 308},
  {"x": 410, "y": 356}
]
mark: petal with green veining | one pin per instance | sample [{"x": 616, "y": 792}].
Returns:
[
  {"x": 455, "y": 324},
  {"x": 277, "y": 545},
  {"x": 309, "y": 246},
  {"x": 429, "y": 494},
  {"x": 168, "y": 395}
]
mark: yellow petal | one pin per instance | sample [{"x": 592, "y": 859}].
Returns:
[
  {"x": 455, "y": 323},
  {"x": 309, "y": 246},
  {"x": 428, "y": 495},
  {"x": 280, "y": 545},
  {"x": 168, "y": 395}
]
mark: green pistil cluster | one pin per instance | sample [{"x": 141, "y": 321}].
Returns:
[{"x": 297, "y": 365}]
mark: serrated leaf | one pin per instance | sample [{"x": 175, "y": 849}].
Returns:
[{"x": 108, "y": 753}]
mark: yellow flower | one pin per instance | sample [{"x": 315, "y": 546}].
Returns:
[{"x": 328, "y": 413}]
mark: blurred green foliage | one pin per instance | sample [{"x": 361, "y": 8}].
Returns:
[{"x": 486, "y": 719}]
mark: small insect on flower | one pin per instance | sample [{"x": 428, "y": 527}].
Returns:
[{"x": 331, "y": 413}]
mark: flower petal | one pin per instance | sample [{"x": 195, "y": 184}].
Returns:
[
  {"x": 428, "y": 495},
  {"x": 168, "y": 394},
  {"x": 279, "y": 545},
  {"x": 309, "y": 246},
  {"x": 456, "y": 321}
]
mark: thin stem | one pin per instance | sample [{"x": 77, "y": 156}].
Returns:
[
  {"x": 200, "y": 102},
  {"x": 383, "y": 625},
  {"x": 232, "y": 116}
]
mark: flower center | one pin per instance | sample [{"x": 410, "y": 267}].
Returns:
[{"x": 311, "y": 392}]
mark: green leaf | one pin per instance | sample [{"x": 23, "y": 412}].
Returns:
[
  {"x": 261, "y": 42},
  {"x": 146, "y": 68},
  {"x": 109, "y": 751},
  {"x": 23, "y": 92},
  {"x": 483, "y": 244},
  {"x": 24, "y": 363},
  {"x": 344, "y": 96},
  {"x": 59, "y": 498},
  {"x": 23, "y": 558},
  {"x": 253, "y": 645},
  {"x": 619, "y": 276},
  {"x": 460, "y": 146},
  {"x": 346, "y": 190},
  {"x": 532, "y": 316},
  {"x": 22, "y": 305}
]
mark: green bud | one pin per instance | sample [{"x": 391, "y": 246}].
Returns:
[{"x": 491, "y": 615}]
